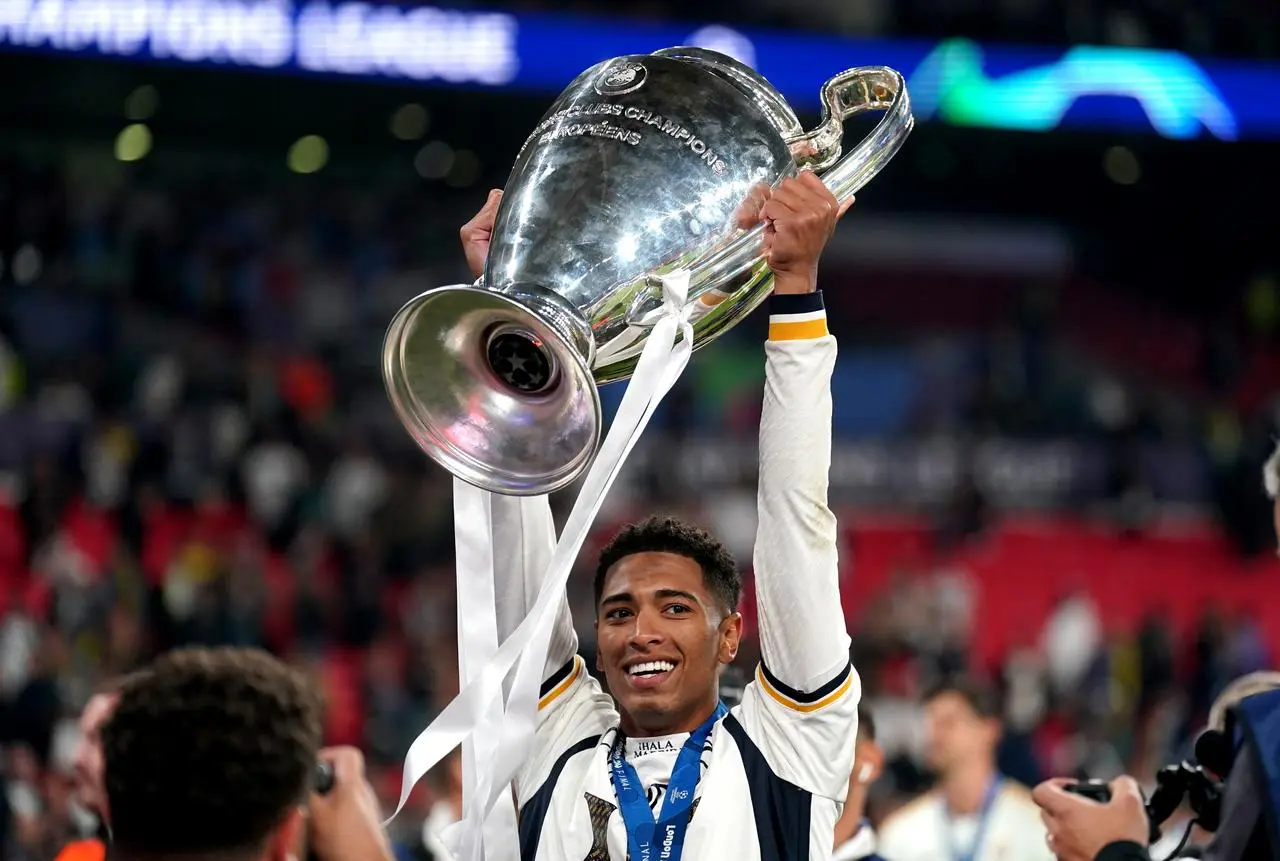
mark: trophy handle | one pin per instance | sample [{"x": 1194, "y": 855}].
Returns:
[{"x": 855, "y": 91}]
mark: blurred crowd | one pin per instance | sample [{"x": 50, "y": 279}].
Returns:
[
  {"x": 194, "y": 448},
  {"x": 1079, "y": 700}
]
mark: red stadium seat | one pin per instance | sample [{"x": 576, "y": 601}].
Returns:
[{"x": 1024, "y": 566}]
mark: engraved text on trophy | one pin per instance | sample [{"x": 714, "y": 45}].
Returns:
[{"x": 593, "y": 120}]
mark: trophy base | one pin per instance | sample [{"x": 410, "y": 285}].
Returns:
[
  {"x": 494, "y": 387},
  {"x": 519, "y": 361}
]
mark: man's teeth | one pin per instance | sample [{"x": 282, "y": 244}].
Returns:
[{"x": 651, "y": 667}]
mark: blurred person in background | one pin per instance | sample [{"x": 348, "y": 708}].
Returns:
[
  {"x": 1070, "y": 640},
  {"x": 1271, "y": 480},
  {"x": 855, "y": 838},
  {"x": 34, "y": 709},
  {"x": 446, "y": 784},
  {"x": 974, "y": 813},
  {"x": 35, "y": 792},
  {"x": 90, "y": 794},
  {"x": 33, "y": 837},
  {"x": 211, "y": 756}
]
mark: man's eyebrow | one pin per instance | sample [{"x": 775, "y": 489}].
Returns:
[{"x": 678, "y": 593}]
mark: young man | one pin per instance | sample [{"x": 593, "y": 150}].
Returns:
[
  {"x": 855, "y": 838},
  {"x": 974, "y": 814},
  {"x": 211, "y": 756},
  {"x": 767, "y": 779}
]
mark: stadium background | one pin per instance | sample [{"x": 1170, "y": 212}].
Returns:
[{"x": 1059, "y": 374}]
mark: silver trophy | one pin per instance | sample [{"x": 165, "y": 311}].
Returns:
[{"x": 637, "y": 170}]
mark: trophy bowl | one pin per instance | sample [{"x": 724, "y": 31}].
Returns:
[{"x": 636, "y": 171}]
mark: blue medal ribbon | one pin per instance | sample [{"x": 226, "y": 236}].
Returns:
[
  {"x": 661, "y": 839},
  {"x": 984, "y": 818}
]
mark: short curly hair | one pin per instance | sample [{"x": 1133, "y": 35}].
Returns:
[
  {"x": 206, "y": 752},
  {"x": 667, "y": 534}
]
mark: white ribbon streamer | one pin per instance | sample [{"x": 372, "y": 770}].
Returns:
[
  {"x": 500, "y": 738},
  {"x": 477, "y": 644}
]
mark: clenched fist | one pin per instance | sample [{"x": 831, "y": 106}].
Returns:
[{"x": 799, "y": 218}]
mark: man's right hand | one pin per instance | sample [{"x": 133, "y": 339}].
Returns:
[
  {"x": 477, "y": 232},
  {"x": 1078, "y": 828},
  {"x": 346, "y": 822}
]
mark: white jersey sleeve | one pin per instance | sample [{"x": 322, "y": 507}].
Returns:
[
  {"x": 801, "y": 709},
  {"x": 572, "y": 705},
  {"x": 573, "y": 713},
  {"x": 524, "y": 540}
]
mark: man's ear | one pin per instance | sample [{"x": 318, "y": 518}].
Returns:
[{"x": 730, "y": 638}]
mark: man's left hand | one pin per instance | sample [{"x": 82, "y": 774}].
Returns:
[
  {"x": 799, "y": 215},
  {"x": 1079, "y": 827}
]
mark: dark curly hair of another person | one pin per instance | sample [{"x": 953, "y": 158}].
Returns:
[
  {"x": 672, "y": 535},
  {"x": 206, "y": 752}
]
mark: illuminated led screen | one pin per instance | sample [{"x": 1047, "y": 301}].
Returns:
[{"x": 954, "y": 81}]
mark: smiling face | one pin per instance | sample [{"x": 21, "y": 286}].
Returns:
[{"x": 662, "y": 639}]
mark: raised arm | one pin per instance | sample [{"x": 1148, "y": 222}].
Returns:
[
  {"x": 571, "y": 705},
  {"x": 524, "y": 538},
  {"x": 803, "y": 639},
  {"x": 524, "y": 534}
]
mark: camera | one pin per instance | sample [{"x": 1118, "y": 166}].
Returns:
[
  {"x": 1173, "y": 783},
  {"x": 322, "y": 781},
  {"x": 321, "y": 784},
  {"x": 1226, "y": 784}
]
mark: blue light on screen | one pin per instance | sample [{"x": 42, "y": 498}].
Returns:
[{"x": 952, "y": 81}]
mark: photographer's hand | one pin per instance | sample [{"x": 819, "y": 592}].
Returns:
[
  {"x": 346, "y": 822},
  {"x": 1079, "y": 827}
]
